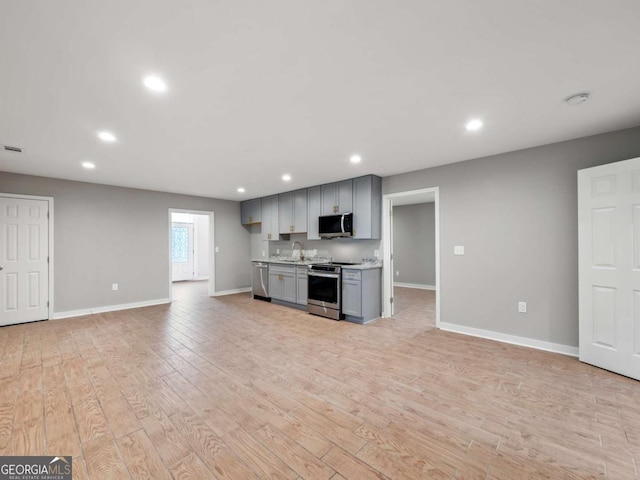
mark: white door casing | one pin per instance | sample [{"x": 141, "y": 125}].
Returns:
[
  {"x": 183, "y": 267},
  {"x": 24, "y": 259},
  {"x": 392, "y": 269},
  {"x": 211, "y": 248},
  {"x": 387, "y": 244},
  {"x": 609, "y": 266}
]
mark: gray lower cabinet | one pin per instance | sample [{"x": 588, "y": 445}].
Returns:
[
  {"x": 302, "y": 284},
  {"x": 361, "y": 296},
  {"x": 282, "y": 282}
]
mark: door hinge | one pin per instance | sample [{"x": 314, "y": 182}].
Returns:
[
  {"x": 47, "y": 259},
  {"x": 391, "y": 256},
  {"x": 391, "y": 300},
  {"x": 47, "y": 214},
  {"x": 47, "y": 303}
]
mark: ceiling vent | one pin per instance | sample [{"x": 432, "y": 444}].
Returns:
[{"x": 12, "y": 149}]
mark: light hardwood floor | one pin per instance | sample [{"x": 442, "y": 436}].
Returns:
[{"x": 236, "y": 388}]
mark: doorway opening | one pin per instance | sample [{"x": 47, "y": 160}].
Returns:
[
  {"x": 191, "y": 253},
  {"x": 415, "y": 285}
]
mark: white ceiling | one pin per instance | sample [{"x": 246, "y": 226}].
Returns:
[{"x": 258, "y": 89}]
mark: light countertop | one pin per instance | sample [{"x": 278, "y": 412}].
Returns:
[{"x": 360, "y": 266}]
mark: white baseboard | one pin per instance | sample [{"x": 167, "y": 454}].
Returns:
[
  {"x": 414, "y": 285},
  {"x": 233, "y": 291},
  {"x": 513, "y": 339},
  {"x": 109, "y": 308}
]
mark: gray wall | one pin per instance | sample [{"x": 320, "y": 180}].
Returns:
[
  {"x": 105, "y": 235},
  {"x": 414, "y": 244},
  {"x": 516, "y": 215}
]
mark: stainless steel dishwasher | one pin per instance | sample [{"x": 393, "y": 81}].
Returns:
[{"x": 260, "y": 280}]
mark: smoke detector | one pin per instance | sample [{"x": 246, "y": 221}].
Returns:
[{"x": 577, "y": 99}]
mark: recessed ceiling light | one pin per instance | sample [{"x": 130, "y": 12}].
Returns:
[
  {"x": 577, "y": 99},
  {"x": 356, "y": 158},
  {"x": 286, "y": 177},
  {"x": 106, "y": 136},
  {"x": 240, "y": 190},
  {"x": 89, "y": 165},
  {"x": 155, "y": 84},
  {"x": 474, "y": 125}
]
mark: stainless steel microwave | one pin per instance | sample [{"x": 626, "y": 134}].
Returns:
[{"x": 332, "y": 226}]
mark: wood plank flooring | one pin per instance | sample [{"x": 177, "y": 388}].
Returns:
[{"x": 235, "y": 388}]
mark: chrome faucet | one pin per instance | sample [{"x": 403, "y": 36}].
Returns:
[{"x": 301, "y": 247}]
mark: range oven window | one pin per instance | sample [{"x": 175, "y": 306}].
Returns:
[{"x": 323, "y": 289}]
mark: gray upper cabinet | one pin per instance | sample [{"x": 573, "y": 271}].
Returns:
[
  {"x": 251, "y": 211},
  {"x": 298, "y": 211},
  {"x": 270, "y": 226},
  {"x": 314, "y": 210},
  {"x": 293, "y": 212},
  {"x": 337, "y": 197},
  {"x": 367, "y": 207}
]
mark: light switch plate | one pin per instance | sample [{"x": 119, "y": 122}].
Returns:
[
  {"x": 458, "y": 250},
  {"x": 522, "y": 307},
  {"x": 217, "y": 249},
  {"x": 376, "y": 253}
]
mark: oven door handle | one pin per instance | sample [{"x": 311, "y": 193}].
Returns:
[
  {"x": 342, "y": 223},
  {"x": 325, "y": 275}
]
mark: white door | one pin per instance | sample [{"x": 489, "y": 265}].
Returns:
[
  {"x": 182, "y": 251},
  {"x": 24, "y": 269},
  {"x": 609, "y": 266}
]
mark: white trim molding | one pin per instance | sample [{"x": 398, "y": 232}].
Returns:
[
  {"x": 110, "y": 308},
  {"x": 512, "y": 339},
  {"x": 414, "y": 285},
  {"x": 231, "y": 292}
]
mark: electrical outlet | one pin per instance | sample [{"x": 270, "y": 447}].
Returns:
[
  {"x": 397, "y": 273},
  {"x": 217, "y": 249},
  {"x": 376, "y": 253},
  {"x": 263, "y": 254},
  {"x": 522, "y": 307},
  {"x": 114, "y": 286},
  {"x": 277, "y": 251},
  {"x": 458, "y": 250}
]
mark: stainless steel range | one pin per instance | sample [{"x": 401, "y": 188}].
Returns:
[{"x": 324, "y": 295}]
